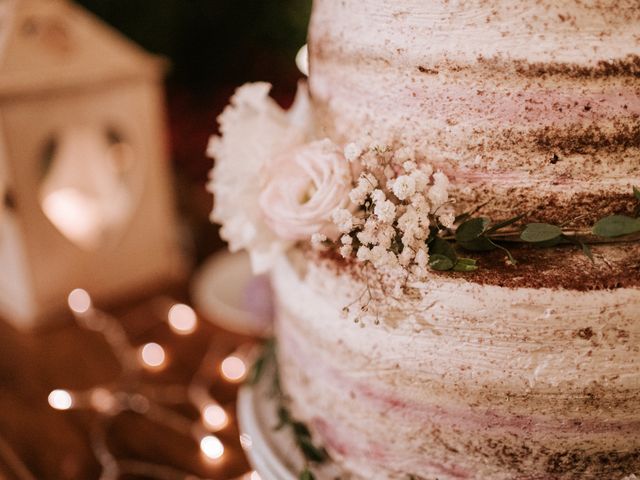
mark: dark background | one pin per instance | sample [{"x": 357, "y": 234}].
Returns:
[{"x": 213, "y": 47}]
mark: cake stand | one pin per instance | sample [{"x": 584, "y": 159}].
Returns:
[{"x": 273, "y": 454}]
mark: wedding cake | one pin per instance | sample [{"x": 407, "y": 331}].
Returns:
[{"x": 449, "y": 212}]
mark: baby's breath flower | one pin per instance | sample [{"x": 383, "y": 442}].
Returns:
[
  {"x": 363, "y": 254},
  {"x": 438, "y": 193},
  {"x": 346, "y": 251},
  {"x": 343, "y": 219},
  {"x": 317, "y": 240},
  {"x": 421, "y": 179},
  {"x": 447, "y": 219},
  {"x": 385, "y": 211},
  {"x": 406, "y": 257},
  {"x": 368, "y": 234},
  {"x": 346, "y": 240},
  {"x": 404, "y": 187},
  {"x": 409, "y": 166},
  {"x": 422, "y": 258},
  {"x": 352, "y": 152}
]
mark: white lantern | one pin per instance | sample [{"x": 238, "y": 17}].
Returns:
[{"x": 83, "y": 154}]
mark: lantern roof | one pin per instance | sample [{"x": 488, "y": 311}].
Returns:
[{"x": 54, "y": 44}]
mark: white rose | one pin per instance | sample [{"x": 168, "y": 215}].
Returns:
[
  {"x": 254, "y": 130},
  {"x": 303, "y": 187}
]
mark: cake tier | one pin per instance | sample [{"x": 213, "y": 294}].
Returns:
[
  {"x": 532, "y": 105},
  {"x": 466, "y": 379}
]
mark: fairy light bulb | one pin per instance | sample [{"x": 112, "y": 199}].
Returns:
[
  {"x": 182, "y": 319},
  {"x": 233, "y": 369},
  {"x": 254, "y": 476},
  {"x": 215, "y": 417},
  {"x": 79, "y": 301},
  {"x": 212, "y": 447},
  {"x": 60, "y": 400},
  {"x": 152, "y": 356}
]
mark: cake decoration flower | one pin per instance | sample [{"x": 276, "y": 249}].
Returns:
[
  {"x": 303, "y": 188},
  {"x": 254, "y": 131}
]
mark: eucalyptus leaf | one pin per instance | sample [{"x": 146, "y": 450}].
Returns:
[
  {"x": 480, "y": 244},
  {"x": 442, "y": 247},
  {"x": 465, "y": 265},
  {"x": 310, "y": 451},
  {"x": 540, "y": 232},
  {"x": 306, "y": 475},
  {"x": 472, "y": 229},
  {"x": 440, "y": 262},
  {"x": 616, "y": 226}
]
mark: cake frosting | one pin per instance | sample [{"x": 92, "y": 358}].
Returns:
[
  {"x": 462, "y": 380},
  {"x": 520, "y": 101},
  {"x": 499, "y": 371}
]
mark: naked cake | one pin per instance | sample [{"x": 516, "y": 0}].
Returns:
[{"x": 449, "y": 212}]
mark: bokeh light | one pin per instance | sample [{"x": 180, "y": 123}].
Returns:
[
  {"x": 182, "y": 319},
  {"x": 79, "y": 301},
  {"x": 214, "y": 417},
  {"x": 233, "y": 369},
  {"x": 152, "y": 356},
  {"x": 212, "y": 447},
  {"x": 60, "y": 400}
]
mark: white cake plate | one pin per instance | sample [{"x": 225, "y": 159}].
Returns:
[
  {"x": 226, "y": 293},
  {"x": 273, "y": 454}
]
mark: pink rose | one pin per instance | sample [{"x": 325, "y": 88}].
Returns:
[{"x": 303, "y": 187}]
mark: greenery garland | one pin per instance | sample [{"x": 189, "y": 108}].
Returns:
[
  {"x": 302, "y": 435},
  {"x": 481, "y": 234}
]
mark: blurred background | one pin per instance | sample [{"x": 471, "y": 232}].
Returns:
[
  {"x": 121, "y": 355},
  {"x": 213, "y": 47}
]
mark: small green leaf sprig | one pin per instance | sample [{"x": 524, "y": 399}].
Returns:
[
  {"x": 480, "y": 234},
  {"x": 302, "y": 435}
]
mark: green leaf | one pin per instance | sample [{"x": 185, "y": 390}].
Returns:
[
  {"x": 471, "y": 229},
  {"x": 636, "y": 192},
  {"x": 440, "y": 262},
  {"x": 442, "y": 247},
  {"x": 306, "y": 475},
  {"x": 505, "y": 223},
  {"x": 540, "y": 232},
  {"x": 465, "y": 265},
  {"x": 481, "y": 244},
  {"x": 310, "y": 451},
  {"x": 616, "y": 226}
]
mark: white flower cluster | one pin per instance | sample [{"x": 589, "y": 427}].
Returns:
[{"x": 395, "y": 200}]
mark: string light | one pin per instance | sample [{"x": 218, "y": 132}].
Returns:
[
  {"x": 212, "y": 447},
  {"x": 233, "y": 369},
  {"x": 152, "y": 356},
  {"x": 214, "y": 417},
  {"x": 79, "y": 301},
  {"x": 60, "y": 400},
  {"x": 182, "y": 319},
  {"x": 130, "y": 393}
]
